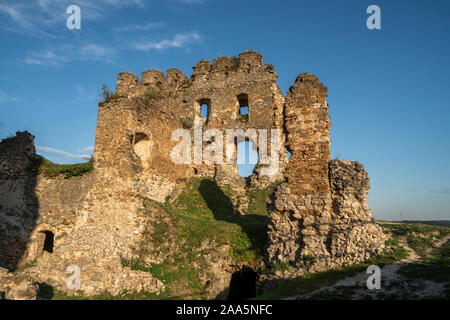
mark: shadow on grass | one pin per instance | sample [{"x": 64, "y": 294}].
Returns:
[
  {"x": 253, "y": 225},
  {"x": 46, "y": 292}
]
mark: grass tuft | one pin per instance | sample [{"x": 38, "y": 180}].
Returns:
[{"x": 40, "y": 165}]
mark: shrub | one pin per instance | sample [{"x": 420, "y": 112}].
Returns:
[
  {"x": 308, "y": 261},
  {"x": 235, "y": 65},
  {"x": 243, "y": 117},
  {"x": 152, "y": 94},
  {"x": 107, "y": 94},
  {"x": 187, "y": 123},
  {"x": 270, "y": 67}
]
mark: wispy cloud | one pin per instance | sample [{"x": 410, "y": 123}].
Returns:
[
  {"x": 63, "y": 153},
  {"x": 443, "y": 190},
  {"x": 181, "y": 40},
  {"x": 4, "y": 98},
  {"x": 65, "y": 53},
  {"x": 39, "y": 17},
  {"x": 87, "y": 149},
  {"x": 188, "y": 1},
  {"x": 140, "y": 27},
  {"x": 22, "y": 21}
]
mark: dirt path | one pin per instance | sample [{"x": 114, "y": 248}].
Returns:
[{"x": 389, "y": 277}]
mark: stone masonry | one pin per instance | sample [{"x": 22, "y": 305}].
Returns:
[{"x": 318, "y": 211}]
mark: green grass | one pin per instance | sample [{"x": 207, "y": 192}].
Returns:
[
  {"x": 436, "y": 267},
  {"x": 24, "y": 267},
  {"x": 257, "y": 203},
  {"x": 420, "y": 237},
  {"x": 439, "y": 223},
  {"x": 193, "y": 227},
  {"x": 423, "y": 238},
  {"x": 40, "y": 165},
  {"x": 47, "y": 292},
  {"x": 407, "y": 229},
  {"x": 314, "y": 281}
]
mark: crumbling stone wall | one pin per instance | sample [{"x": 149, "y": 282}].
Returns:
[
  {"x": 345, "y": 235},
  {"x": 19, "y": 205},
  {"x": 319, "y": 218},
  {"x": 93, "y": 221},
  {"x": 158, "y": 104},
  {"x": 16, "y": 287},
  {"x": 318, "y": 213},
  {"x": 32, "y": 204},
  {"x": 356, "y": 236},
  {"x": 307, "y": 190}
]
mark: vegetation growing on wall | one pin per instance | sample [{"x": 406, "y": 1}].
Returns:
[{"x": 40, "y": 165}]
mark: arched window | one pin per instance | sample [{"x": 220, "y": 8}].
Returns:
[
  {"x": 205, "y": 108},
  {"x": 243, "y": 106}
]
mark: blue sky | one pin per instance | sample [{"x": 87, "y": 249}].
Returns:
[{"x": 387, "y": 88}]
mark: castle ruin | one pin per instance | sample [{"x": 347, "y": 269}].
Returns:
[{"x": 318, "y": 210}]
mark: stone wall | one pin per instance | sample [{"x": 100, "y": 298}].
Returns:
[
  {"x": 19, "y": 205},
  {"x": 318, "y": 213},
  {"x": 92, "y": 219},
  {"x": 306, "y": 192},
  {"x": 155, "y": 106},
  {"x": 345, "y": 235}
]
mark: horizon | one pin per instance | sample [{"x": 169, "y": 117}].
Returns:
[{"x": 386, "y": 88}]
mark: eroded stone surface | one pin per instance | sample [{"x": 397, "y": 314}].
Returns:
[
  {"x": 345, "y": 235},
  {"x": 319, "y": 211}
]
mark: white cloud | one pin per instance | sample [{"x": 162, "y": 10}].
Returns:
[
  {"x": 4, "y": 98},
  {"x": 87, "y": 149},
  {"x": 39, "y": 17},
  {"x": 189, "y": 1},
  {"x": 58, "y": 55},
  {"x": 92, "y": 51},
  {"x": 63, "y": 153},
  {"x": 24, "y": 22},
  {"x": 179, "y": 41},
  {"x": 140, "y": 27}
]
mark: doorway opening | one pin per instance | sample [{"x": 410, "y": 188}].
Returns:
[
  {"x": 243, "y": 284},
  {"x": 49, "y": 241}
]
